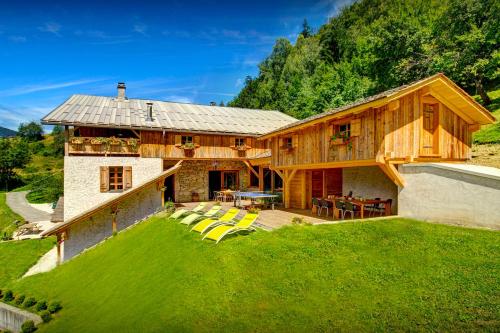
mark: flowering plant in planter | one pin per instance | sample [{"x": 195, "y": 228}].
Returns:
[
  {"x": 98, "y": 141},
  {"x": 113, "y": 141},
  {"x": 188, "y": 146},
  {"x": 341, "y": 138},
  {"x": 242, "y": 147},
  {"x": 133, "y": 143},
  {"x": 76, "y": 141}
]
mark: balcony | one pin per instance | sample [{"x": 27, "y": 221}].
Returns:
[{"x": 103, "y": 146}]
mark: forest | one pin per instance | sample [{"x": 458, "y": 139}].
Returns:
[{"x": 375, "y": 45}]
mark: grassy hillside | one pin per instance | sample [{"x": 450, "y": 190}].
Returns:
[
  {"x": 490, "y": 133},
  {"x": 7, "y": 216},
  {"x": 381, "y": 275}
]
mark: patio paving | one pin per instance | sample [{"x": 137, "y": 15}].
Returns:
[{"x": 271, "y": 219}]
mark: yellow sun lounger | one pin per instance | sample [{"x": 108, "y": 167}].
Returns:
[
  {"x": 196, "y": 216},
  {"x": 206, "y": 224},
  {"x": 245, "y": 224},
  {"x": 180, "y": 212}
]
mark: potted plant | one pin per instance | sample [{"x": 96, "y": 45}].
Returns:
[
  {"x": 132, "y": 143},
  {"x": 76, "y": 140},
  {"x": 97, "y": 143},
  {"x": 341, "y": 138},
  {"x": 188, "y": 148},
  {"x": 114, "y": 141}
]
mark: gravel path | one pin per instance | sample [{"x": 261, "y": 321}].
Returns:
[{"x": 18, "y": 203}]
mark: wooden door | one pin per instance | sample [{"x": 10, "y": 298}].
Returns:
[
  {"x": 429, "y": 143},
  {"x": 317, "y": 183}
]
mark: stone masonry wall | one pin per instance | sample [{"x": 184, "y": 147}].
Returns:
[
  {"x": 369, "y": 182},
  {"x": 82, "y": 179},
  {"x": 88, "y": 233},
  {"x": 193, "y": 177}
]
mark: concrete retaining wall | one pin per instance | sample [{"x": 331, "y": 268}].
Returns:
[
  {"x": 451, "y": 193},
  {"x": 89, "y": 233},
  {"x": 369, "y": 182},
  {"x": 82, "y": 179},
  {"x": 12, "y": 318}
]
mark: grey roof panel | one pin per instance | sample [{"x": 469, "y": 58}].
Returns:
[{"x": 89, "y": 110}]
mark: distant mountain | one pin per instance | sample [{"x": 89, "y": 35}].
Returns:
[{"x": 5, "y": 132}]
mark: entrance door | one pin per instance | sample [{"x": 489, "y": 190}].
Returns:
[
  {"x": 169, "y": 188},
  {"x": 230, "y": 180},
  {"x": 214, "y": 183},
  {"x": 429, "y": 145}
]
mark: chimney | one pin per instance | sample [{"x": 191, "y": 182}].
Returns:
[
  {"x": 121, "y": 91},
  {"x": 213, "y": 104},
  {"x": 149, "y": 111}
]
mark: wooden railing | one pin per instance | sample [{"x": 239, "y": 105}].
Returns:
[{"x": 103, "y": 146}]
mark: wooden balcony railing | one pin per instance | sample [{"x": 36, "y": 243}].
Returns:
[{"x": 103, "y": 146}]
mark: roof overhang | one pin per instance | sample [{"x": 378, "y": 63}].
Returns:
[
  {"x": 439, "y": 86},
  {"x": 110, "y": 203}
]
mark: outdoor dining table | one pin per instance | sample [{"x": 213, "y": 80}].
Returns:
[
  {"x": 366, "y": 202},
  {"x": 253, "y": 196}
]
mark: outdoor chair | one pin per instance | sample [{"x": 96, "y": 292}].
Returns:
[
  {"x": 350, "y": 208},
  {"x": 245, "y": 224},
  {"x": 325, "y": 204},
  {"x": 209, "y": 223},
  {"x": 338, "y": 208},
  {"x": 373, "y": 208},
  {"x": 382, "y": 206},
  {"x": 180, "y": 212},
  {"x": 188, "y": 220},
  {"x": 315, "y": 203}
]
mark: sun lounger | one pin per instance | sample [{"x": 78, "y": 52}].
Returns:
[
  {"x": 209, "y": 223},
  {"x": 180, "y": 212},
  {"x": 245, "y": 224},
  {"x": 196, "y": 216}
]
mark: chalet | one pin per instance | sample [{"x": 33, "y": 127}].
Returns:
[{"x": 126, "y": 157}]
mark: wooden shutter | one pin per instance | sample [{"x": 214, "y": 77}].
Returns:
[
  {"x": 280, "y": 142},
  {"x": 127, "y": 177},
  {"x": 196, "y": 140},
  {"x": 178, "y": 140},
  {"x": 232, "y": 142},
  {"x": 356, "y": 127},
  {"x": 104, "y": 179},
  {"x": 248, "y": 143},
  {"x": 295, "y": 140}
]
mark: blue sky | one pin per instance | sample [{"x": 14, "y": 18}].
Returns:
[{"x": 186, "y": 51}]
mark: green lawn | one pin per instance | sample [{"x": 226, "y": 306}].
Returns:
[
  {"x": 380, "y": 275},
  {"x": 490, "y": 133},
  {"x": 7, "y": 216},
  {"x": 16, "y": 257}
]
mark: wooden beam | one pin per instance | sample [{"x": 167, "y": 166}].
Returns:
[
  {"x": 114, "y": 212},
  {"x": 279, "y": 174},
  {"x": 261, "y": 178},
  {"x": 390, "y": 171},
  {"x": 66, "y": 140},
  {"x": 329, "y": 165},
  {"x": 136, "y": 134},
  {"x": 249, "y": 166},
  {"x": 291, "y": 174},
  {"x": 303, "y": 193},
  {"x": 59, "y": 241}
]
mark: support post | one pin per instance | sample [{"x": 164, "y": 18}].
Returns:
[
  {"x": 114, "y": 212},
  {"x": 261, "y": 178},
  {"x": 59, "y": 241}
]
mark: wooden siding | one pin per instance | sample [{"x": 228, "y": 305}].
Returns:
[
  {"x": 155, "y": 144},
  {"x": 393, "y": 130}
]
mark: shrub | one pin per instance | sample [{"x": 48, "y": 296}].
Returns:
[
  {"x": 9, "y": 296},
  {"x": 42, "y": 305},
  {"x": 254, "y": 210},
  {"x": 46, "y": 316},
  {"x": 20, "y": 299},
  {"x": 55, "y": 307},
  {"x": 28, "y": 327},
  {"x": 29, "y": 302},
  {"x": 300, "y": 221}
]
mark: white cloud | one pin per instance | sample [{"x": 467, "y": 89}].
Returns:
[
  {"x": 178, "y": 98},
  {"x": 17, "y": 39},
  {"x": 51, "y": 27},
  {"x": 140, "y": 28},
  {"x": 28, "y": 89},
  {"x": 239, "y": 83}
]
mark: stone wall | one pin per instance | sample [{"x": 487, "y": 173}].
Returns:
[
  {"x": 89, "y": 233},
  {"x": 451, "y": 193},
  {"x": 12, "y": 318},
  {"x": 82, "y": 179},
  {"x": 193, "y": 177},
  {"x": 369, "y": 182}
]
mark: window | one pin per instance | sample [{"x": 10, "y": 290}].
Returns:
[
  {"x": 239, "y": 142},
  {"x": 115, "y": 178},
  {"x": 287, "y": 143},
  {"x": 344, "y": 130},
  {"x": 186, "y": 139}
]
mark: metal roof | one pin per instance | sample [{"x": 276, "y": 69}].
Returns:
[{"x": 99, "y": 111}]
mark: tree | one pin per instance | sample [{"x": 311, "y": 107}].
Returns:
[
  {"x": 57, "y": 145},
  {"x": 468, "y": 42},
  {"x": 31, "y": 131},
  {"x": 15, "y": 154},
  {"x": 306, "y": 30}
]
